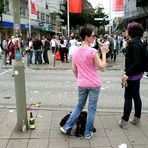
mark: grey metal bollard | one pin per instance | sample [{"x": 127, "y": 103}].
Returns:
[
  {"x": 28, "y": 59},
  {"x": 20, "y": 92}
]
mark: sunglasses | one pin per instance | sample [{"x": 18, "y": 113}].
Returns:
[{"x": 92, "y": 36}]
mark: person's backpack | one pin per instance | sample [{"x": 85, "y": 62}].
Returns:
[{"x": 78, "y": 128}]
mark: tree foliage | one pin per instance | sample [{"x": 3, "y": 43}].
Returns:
[
  {"x": 1, "y": 15},
  {"x": 1, "y": 7}
]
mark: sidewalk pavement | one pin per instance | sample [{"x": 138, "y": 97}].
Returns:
[{"x": 48, "y": 135}]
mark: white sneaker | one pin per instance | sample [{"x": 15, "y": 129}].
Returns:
[
  {"x": 144, "y": 76},
  {"x": 62, "y": 130},
  {"x": 123, "y": 124},
  {"x": 135, "y": 120},
  {"x": 88, "y": 137}
]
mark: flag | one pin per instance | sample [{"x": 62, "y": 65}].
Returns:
[
  {"x": 75, "y": 6},
  {"x": 33, "y": 9},
  {"x": 118, "y": 5}
]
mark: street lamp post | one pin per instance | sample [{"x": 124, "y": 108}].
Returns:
[{"x": 18, "y": 69}]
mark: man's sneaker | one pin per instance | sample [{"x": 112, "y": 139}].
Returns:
[
  {"x": 62, "y": 130},
  {"x": 123, "y": 124},
  {"x": 135, "y": 120},
  {"x": 89, "y": 136}
]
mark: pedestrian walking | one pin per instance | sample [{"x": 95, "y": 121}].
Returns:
[
  {"x": 63, "y": 51},
  {"x": 11, "y": 49},
  {"x": 5, "y": 49},
  {"x": 46, "y": 47},
  {"x": 72, "y": 46},
  {"x": 53, "y": 45},
  {"x": 84, "y": 62},
  {"x": 37, "y": 46},
  {"x": 133, "y": 74},
  {"x": 114, "y": 47},
  {"x": 30, "y": 50}
]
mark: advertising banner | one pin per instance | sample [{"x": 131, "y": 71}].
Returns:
[
  {"x": 33, "y": 9},
  {"x": 75, "y": 6},
  {"x": 118, "y": 5}
]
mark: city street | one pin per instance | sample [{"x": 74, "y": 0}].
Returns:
[
  {"x": 51, "y": 94},
  {"x": 37, "y": 42},
  {"x": 55, "y": 87}
]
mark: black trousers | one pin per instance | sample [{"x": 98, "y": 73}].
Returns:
[
  {"x": 45, "y": 56},
  {"x": 132, "y": 93},
  {"x": 53, "y": 50},
  {"x": 64, "y": 53},
  {"x": 113, "y": 55}
]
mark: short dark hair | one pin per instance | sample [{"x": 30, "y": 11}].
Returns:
[
  {"x": 135, "y": 29},
  {"x": 85, "y": 31}
]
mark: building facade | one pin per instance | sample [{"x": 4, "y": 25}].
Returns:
[
  {"x": 136, "y": 10},
  {"x": 47, "y": 17}
]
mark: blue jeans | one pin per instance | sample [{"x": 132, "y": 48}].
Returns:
[
  {"x": 31, "y": 55},
  {"x": 83, "y": 94},
  {"x": 38, "y": 57}
]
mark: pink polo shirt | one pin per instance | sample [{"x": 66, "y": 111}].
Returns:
[{"x": 83, "y": 57}]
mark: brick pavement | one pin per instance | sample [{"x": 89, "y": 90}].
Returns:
[{"x": 48, "y": 135}]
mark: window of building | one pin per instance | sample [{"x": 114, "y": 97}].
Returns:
[
  {"x": 47, "y": 19},
  {"x": 42, "y": 17},
  {"x": 38, "y": 15},
  {"x": 22, "y": 11},
  {"x": 6, "y": 6}
]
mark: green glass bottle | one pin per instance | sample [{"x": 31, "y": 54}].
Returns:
[{"x": 31, "y": 122}]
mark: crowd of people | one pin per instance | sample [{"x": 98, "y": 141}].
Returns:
[{"x": 38, "y": 48}]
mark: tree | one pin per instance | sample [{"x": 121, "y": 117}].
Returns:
[
  {"x": 86, "y": 17},
  {"x": 1, "y": 15},
  {"x": 75, "y": 19}
]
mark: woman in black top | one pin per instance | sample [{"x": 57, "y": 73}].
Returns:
[{"x": 133, "y": 74}]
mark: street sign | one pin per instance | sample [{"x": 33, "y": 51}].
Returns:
[
  {"x": 61, "y": 20},
  {"x": 41, "y": 24},
  {"x": 101, "y": 19}
]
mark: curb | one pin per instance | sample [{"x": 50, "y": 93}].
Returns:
[{"x": 69, "y": 109}]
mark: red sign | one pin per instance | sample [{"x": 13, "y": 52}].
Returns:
[
  {"x": 33, "y": 9},
  {"x": 118, "y": 5},
  {"x": 75, "y": 6}
]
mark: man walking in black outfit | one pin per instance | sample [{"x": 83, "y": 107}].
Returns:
[
  {"x": 37, "y": 44},
  {"x": 46, "y": 47}
]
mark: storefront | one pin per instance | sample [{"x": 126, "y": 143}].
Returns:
[{"x": 8, "y": 29}]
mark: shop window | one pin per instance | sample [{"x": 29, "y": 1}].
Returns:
[
  {"x": 38, "y": 15},
  {"x": 6, "y": 6},
  {"x": 141, "y": 3},
  {"x": 22, "y": 11},
  {"x": 42, "y": 17},
  {"x": 47, "y": 19}
]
